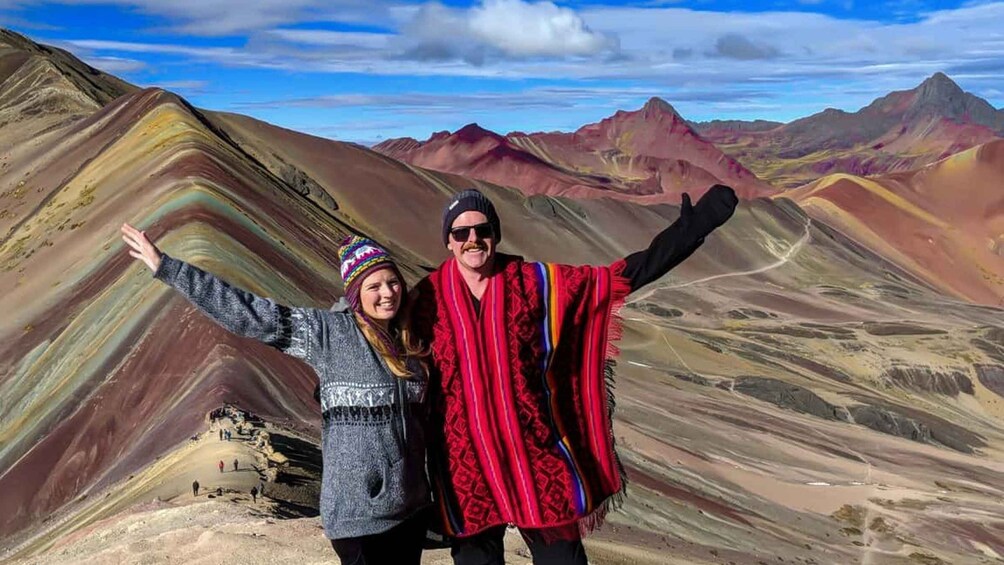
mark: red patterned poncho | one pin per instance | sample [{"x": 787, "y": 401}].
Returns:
[{"x": 520, "y": 430}]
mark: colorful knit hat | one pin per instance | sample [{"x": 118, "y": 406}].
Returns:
[{"x": 359, "y": 257}]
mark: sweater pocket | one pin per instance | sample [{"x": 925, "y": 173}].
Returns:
[
  {"x": 356, "y": 474},
  {"x": 388, "y": 490},
  {"x": 367, "y": 475}
]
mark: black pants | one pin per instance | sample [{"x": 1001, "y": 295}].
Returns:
[
  {"x": 401, "y": 544},
  {"x": 488, "y": 548}
]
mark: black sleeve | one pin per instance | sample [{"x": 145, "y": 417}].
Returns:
[
  {"x": 667, "y": 250},
  {"x": 680, "y": 240}
]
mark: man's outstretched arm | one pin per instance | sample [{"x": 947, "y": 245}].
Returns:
[{"x": 683, "y": 237}]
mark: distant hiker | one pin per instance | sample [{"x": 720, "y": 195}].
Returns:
[
  {"x": 515, "y": 444},
  {"x": 221, "y": 465},
  {"x": 254, "y": 494},
  {"x": 371, "y": 372},
  {"x": 235, "y": 465},
  {"x": 219, "y": 490},
  {"x": 195, "y": 488},
  {"x": 221, "y": 434},
  {"x": 261, "y": 488}
]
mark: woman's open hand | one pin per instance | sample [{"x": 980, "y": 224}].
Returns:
[{"x": 141, "y": 248}]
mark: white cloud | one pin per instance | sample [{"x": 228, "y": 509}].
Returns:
[
  {"x": 809, "y": 53},
  {"x": 295, "y": 58},
  {"x": 737, "y": 46},
  {"x": 223, "y": 55},
  {"x": 438, "y": 110},
  {"x": 186, "y": 86},
  {"x": 422, "y": 102},
  {"x": 501, "y": 29},
  {"x": 227, "y": 17},
  {"x": 535, "y": 29},
  {"x": 8, "y": 20},
  {"x": 810, "y": 46},
  {"x": 318, "y": 37},
  {"x": 991, "y": 13},
  {"x": 115, "y": 65}
]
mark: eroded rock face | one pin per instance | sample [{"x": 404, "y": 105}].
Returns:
[
  {"x": 693, "y": 378},
  {"x": 992, "y": 377},
  {"x": 887, "y": 419},
  {"x": 915, "y": 425},
  {"x": 306, "y": 186},
  {"x": 898, "y": 328},
  {"x": 992, "y": 343},
  {"x": 889, "y": 422},
  {"x": 787, "y": 395},
  {"x": 660, "y": 311},
  {"x": 996, "y": 335},
  {"x": 924, "y": 379},
  {"x": 749, "y": 313}
]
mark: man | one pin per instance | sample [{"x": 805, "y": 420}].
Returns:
[
  {"x": 195, "y": 488},
  {"x": 520, "y": 429}
]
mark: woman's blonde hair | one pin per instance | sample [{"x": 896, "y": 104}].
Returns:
[{"x": 398, "y": 343}]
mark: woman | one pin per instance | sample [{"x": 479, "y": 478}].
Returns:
[{"x": 372, "y": 391}]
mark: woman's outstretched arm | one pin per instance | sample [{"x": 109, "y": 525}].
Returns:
[{"x": 295, "y": 331}]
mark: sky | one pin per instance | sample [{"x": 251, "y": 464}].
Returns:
[{"x": 369, "y": 70}]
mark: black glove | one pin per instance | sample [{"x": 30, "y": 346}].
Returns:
[
  {"x": 686, "y": 208},
  {"x": 714, "y": 208}
]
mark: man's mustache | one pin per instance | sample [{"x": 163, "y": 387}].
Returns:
[{"x": 474, "y": 245}]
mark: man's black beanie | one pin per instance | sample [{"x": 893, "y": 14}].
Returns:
[{"x": 467, "y": 201}]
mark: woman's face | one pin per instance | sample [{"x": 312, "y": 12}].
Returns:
[{"x": 380, "y": 295}]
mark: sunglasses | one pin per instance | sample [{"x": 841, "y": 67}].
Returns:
[{"x": 481, "y": 231}]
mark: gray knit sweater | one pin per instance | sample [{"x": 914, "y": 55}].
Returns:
[{"x": 373, "y": 444}]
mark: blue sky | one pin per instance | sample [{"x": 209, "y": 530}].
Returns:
[{"x": 367, "y": 70}]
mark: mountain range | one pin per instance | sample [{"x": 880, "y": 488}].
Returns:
[
  {"x": 901, "y": 131},
  {"x": 653, "y": 154},
  {"x": 822, "y": 382},
  {"x": 646, "y": 156}
]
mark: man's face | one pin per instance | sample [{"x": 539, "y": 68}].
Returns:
[{"x": 472, "y": 241}]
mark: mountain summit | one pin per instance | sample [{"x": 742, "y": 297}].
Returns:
[
  {"x": 940, "y": 96},
  {"x": 900, "y": 131},
  {"x": 647, "y": 155}
]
